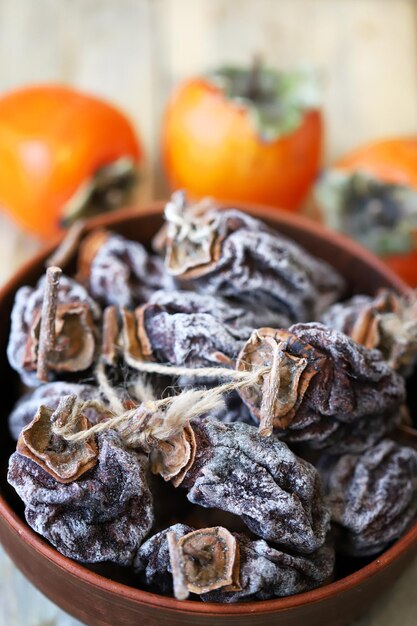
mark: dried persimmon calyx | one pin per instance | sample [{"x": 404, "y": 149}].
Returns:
[
  {"x": 205, "y": 560},
  {"x": 200, "y": 561},
  {"x": 172, "y": 458},
  {"x": 136, "y": 344},
  {"x": 73, "y": 327},
  {"x": 121, "y": 337},
  {"x": 191, "y": 236},
  {"x": 124, "y": 336},
  {"x": 231, "y": 254},
  {"x": 89, "y": 247},
  {"x": 110, "y": 337},
  {"x": 75, "y": 343},
  {"x": 360, "y": 316},
  {"x": 259, "y": 571},
  {"x": 387, "y": 322},
  {"x": 283, "y": 388},
  {"x": 41, "y": 442},
  {"x": 337, "y": 395}
]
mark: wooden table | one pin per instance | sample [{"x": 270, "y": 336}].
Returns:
[{"x": 23, "y": 605}]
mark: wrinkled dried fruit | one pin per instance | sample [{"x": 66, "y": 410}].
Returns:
[
  {"x": 102, "y": 516},
  {"x": 229, "y": 291},
  {"x": 64, "y": 460},
  {"x": 192, "y": 339},
  {"x": 268, "y": 572},
  {"x": 231, "y": 254},
  {"x": 277, "y": 494},
  {"x": 326, "y": 391},
  {"x": 234, "y": 410},
  {"x": 387, "y": 322},
  {"x": 152, "y": 560},
  {"x": 152, "y": 334},
  {"x": 75, "y": 329},
  {"x": 121, "y": 272},
  {"x": 262, "y": 571},
  {"x": 373, "y": 496},
  {"x": 239, "y": 319}
]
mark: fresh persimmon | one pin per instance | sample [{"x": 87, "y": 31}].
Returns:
[
  {"x": 63, "y": 154},
  {"x": 390, "y": 160},
  {"x": 370, "y": 194},
  {"x": 243, "y": 135}
]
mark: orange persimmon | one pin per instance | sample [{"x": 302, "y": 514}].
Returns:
[
  {"x": 371, "y": 195},
  {"x": 390, "y": 160},
  {"x": 243, "y": 135},
  {"x": 63, "y": 154}
]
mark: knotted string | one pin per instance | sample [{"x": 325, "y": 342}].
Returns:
[{"x": 157, "y": 418}]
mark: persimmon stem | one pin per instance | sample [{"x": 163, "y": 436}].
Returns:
[
  {"x": 270, "y": 391},
  {"x": 253, "y": 91},
  {"x": 180, "y": 587},
  {"x": 66, "y": 249},
  {"x": 46, "y": 342},
  {"x": 64, "y": 410}
]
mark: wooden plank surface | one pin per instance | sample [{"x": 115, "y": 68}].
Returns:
[
  {"x": 134, "y": 51},
  {"x": 365, "y": 51}
]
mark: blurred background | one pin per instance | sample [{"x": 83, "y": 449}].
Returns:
[{"x": 133, "y": 52}]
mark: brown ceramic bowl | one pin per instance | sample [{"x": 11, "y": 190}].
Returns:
[{"x": 97, "y": 600}]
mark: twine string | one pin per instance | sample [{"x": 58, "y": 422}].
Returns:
[
  {"x": 186, "y": 372},
  {"x": 108, "y": 391},
  {"x": 160, "y": 419}
]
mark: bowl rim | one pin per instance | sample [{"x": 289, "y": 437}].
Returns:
[{"x": 142, "y": 597}]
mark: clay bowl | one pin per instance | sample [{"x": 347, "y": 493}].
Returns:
[{"x": 97, "y": 600}]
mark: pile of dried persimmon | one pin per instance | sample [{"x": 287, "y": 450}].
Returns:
[{"x": 126, "y": 363}]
